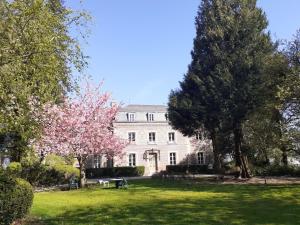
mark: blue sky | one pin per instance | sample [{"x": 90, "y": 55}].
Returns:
[{"x": 141, "y": 48}]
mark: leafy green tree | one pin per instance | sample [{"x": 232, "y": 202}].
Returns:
[
  {"x": 289, "y": 107},
  {"x": 37, "y": 55},
  {"x": 224, "y": 80},
  {"x": 273, "y": 130}
]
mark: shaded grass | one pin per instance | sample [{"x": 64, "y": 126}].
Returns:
[{"x": 171, "y": 202}]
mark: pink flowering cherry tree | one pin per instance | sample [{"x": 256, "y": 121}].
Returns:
[{"x": 80, "y": 126}]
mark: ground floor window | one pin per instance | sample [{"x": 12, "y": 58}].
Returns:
[
  {"x": 200, "y": 157},
  {"x": 132, "y": 159},
  {"x": 110, "y": 163},
  {"x": 172, "y": 158},
  {"x": 97, "y": 161}
]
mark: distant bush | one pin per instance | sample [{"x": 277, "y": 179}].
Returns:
[
  {"x": 14, "y": 169},
  {"x": 45, "y": 175},
  {"x": 33, "y": 172},
  {"x": 127, "y": 171},
  {"x": 16, "y": 197},
  {"x": 58, "y": 174},
  {"x": 277, "y": 170},
  {"x": 188, "y": 169}
]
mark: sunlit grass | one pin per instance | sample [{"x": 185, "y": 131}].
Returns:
[{"x": 171, "y": 202}]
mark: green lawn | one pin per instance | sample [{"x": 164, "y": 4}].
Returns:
[{"x": 171, "y": 202}]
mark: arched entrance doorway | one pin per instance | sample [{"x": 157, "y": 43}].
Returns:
[{"x": 152, "y": 156}]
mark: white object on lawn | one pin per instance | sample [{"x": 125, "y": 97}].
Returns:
[{"x": 104, "y": 183}]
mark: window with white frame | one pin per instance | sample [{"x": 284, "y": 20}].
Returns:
[
  {"x": 131, "y": 117},
  {"x": 150, "y": 117},
  {"x": 152, "y": 137},
  {"x": 97, "y": 161},
  {"x": 171, "y": 137},
  {"x": 198, "y": 136},
  {"x": 172, "y": 158},
  {"x": 132, "y": 159},
  {"x": 200, "y": 157},
  {"x": 131, "y": 136}
]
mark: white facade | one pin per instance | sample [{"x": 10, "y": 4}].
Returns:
[{"x": 153, "y": 142}]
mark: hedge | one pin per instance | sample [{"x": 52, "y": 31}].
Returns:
[
  {"x": 41, "y": 175},
  {"x": 16, "y": 197},
  {"x": 115, "y": 172},
  {"x": 188, "y": 169}
]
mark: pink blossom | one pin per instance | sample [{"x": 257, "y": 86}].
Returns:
[{"x": 80, "y": 126}]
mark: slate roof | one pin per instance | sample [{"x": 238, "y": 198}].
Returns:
[{"x": 144, "y": 108}]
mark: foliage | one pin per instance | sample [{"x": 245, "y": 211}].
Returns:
[
  {"x": 58, "y": 174},
  {"x": 223, "y": 85},
  {"x": 54, "y": 171},
  {"x": 277, "y": 170},
  {"x": 33, "y": 172},
  {"x": 80, "y": 127},
  {"x": 275, "y": 126},
  {"x": 126, "y": 171},
  {"x": 154, "y": 201},
  {"x": 290, "y": 95},
  {"x": 188, "y": 169},
  {"x": 52, "y": 160},
  {"x": 37, "y": 55},
  {"x": 16, "y": 196},
  {"x": 14, "y": 169}
]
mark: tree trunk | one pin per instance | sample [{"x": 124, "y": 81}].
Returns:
[
  {"x": 279, "y": 119},
  {"x": 284, "y": 156},
  {"x": 240, "y": 160},
  {"x": 82, "y": 172},
  {"x": 217, "y": 161}
]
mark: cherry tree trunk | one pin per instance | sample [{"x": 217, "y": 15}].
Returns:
[{"x": 81, "y": 172}]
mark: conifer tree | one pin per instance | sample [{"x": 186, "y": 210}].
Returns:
[{"x": 223, "y": 84}]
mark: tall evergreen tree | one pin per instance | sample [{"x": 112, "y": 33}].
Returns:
[{"x": 223, "y": 83}]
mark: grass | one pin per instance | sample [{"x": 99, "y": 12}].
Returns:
[{"x": 170, "y": 202}]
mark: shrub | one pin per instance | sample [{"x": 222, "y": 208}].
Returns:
[
  {"x": 33, "y": 172},
  {"x": 188, "y": 169},
  {"x": 58, "y": 174},
  {"x": 126, "y": 171},
  {"x": 45, "y": 175},
  {"x": 14, "y": 169},
  {"x": 277, "y": 170},
  {"x": 140, "y": 170},
  {"x": 16, "y": 197}
]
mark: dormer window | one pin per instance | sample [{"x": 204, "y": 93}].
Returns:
[
  {"x": 150, "y": 117},
  {"x": 130, "y": 117}
]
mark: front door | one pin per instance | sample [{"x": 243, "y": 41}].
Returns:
[{"x": 152, "y": 163}]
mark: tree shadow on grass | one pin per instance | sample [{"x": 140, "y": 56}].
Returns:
[
  {"x": 243, "y": 207},
  {"x": 190, "y": 185}
]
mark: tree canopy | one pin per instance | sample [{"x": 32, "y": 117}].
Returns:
[
  {"x": 37, "y": 56},
  {"x": 223, "y": 84}
]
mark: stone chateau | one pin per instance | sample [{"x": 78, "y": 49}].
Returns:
[{"x": 153, "y": 142}]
